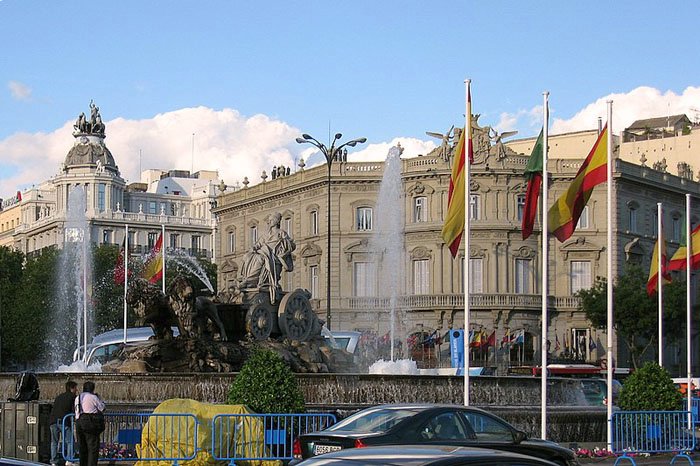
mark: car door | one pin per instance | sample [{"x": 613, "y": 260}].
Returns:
[
  {"x": 444, "y": 428},
  {"x": 488, "y": 429}
]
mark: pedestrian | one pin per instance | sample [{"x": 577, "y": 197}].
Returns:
[
  {"x": 89, "y": 423},
  {"x": 62, "y": 405}
]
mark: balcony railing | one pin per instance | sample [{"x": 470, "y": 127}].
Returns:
[{"x": 452, "y": 301}]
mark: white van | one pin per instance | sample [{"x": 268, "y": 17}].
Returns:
[{"x": 104, "y": 345}]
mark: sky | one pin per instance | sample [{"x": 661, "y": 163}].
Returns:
[{"x": 229, "y": 85}]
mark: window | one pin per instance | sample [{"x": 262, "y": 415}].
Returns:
[
  {"x": 253, "y": 234},
  {"x": 231, "y": 241},
  {"x": 173, "y": 209},
  {"x": 520, "y": 201},
  {"x": 106, "y": 236},
  {"x": 101, "y": 197},
  {"x": 421, "y": 276},
  {"x": 474, "y": 207},
  {"x": 363, "y": 218},
  {"x": 152, "y": 207},
  {"x": 313, "y": 223},
  {"x": 174, "y": 240},
  {"x": 420, "y": 209},
  {"x": 152, "y": 238},
  {"x": 632, "y": 218},
  {"x": 364, "y": 279},
  {"x": 487, "y": 428},
  {"x": 132, "y": 240},
  {"x": 476, "y": 267},
  {"x": 583, "y": 219},
  {"x": 654, "y": 223},
  {"x": 313, "y": 279},
  {"x": 444, "y": 426},
  {"x": 288, "y": 225},
  {"x": 522, "y": 276},
  {"x": 196, "y": 243},
  {"x": 676, "y": 228},
  {"x": 580, "y": 276}
]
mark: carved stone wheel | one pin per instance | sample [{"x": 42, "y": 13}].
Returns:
[
  {"x": 260, "y": 318},
  {"x": 296, "y": 318}
]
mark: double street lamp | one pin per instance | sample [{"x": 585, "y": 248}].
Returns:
[{"x": 331, "y": 153}]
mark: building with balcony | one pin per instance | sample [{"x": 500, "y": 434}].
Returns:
[
  {"x": 179, "y": 200},
  {"x": 504, "y": 268}
]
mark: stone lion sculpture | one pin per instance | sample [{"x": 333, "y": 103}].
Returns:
[
  {"x": 193, "y": 312},
  {"x": 151, "y": 307}
]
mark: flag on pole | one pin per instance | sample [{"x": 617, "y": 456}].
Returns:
[
  {"x": 519, "y": 337},
  {"x": 566, "y": 211},
  {"x": 654, "y": 269},
  {"x": 477, "y": 339},
  {"x": 557, "y": 346},
  {"x": 591, "y": 344},
  {"x": 506, "y": 337},
  {"x": 453, "y": 227},
  {"x": 533, "y": 172},
  {"x": 153, "y": 268},
  {"x": 491, "y": 341},
  {"x": 677, "y": 261},
  {"x": 119, "y": 267}
]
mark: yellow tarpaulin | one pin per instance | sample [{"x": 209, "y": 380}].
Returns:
[{"x": 169, "y": 433}]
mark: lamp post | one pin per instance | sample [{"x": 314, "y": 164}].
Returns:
[{"x": 331, "y": 154}]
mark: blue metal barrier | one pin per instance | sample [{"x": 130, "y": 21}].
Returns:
[
  {"x": 241, "y": 437},
  {"x": 175, "y": 435},
  {"x": 652, "y": 432}
]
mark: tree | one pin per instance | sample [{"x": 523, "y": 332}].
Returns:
[
  {"x": 10, "y": 278},
  {"x": 650, "y": 389},
  {"x": 635, "y": 313},
  {"x": 108, "y": 296}
]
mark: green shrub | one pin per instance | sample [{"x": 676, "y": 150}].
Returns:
[
  {"x": 650, "y": 389},
  {"x": 266, "y": 384}
]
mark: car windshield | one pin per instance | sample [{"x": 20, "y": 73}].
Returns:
[{"x": 373, "y": 420}]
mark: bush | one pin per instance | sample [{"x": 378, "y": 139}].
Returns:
[
  {"x": 650, "y": 389},
  {"x": 266, "y": 384}
]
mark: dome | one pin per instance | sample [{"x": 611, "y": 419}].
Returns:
[{"x": 90, "y": 150}]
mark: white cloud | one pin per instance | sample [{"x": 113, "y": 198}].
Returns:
[
  {"x": 19, "y": 91},
  {"x": 642, "y": 102},
  {"x": 224, "y": 140}
]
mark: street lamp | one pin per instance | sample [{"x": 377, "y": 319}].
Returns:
[{"x": 331, "y": 154}]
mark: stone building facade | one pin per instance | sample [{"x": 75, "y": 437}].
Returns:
[{"x": 505, "y": 270}]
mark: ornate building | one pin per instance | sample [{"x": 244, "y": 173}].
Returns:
[
  {"x": 35, "y": 219},
  {"x": 505, "y": 270}
]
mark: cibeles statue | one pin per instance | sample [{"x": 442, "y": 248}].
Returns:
[{"x": 263, "y": 265}]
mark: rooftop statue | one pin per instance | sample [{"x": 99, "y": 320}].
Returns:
[{"x": 94, "y": 126}]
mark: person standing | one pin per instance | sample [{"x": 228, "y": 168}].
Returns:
[
  {"x": 62, "y": 405},
  {"x": 89, "y": 424}
]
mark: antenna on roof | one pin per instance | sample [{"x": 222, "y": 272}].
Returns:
[{"x": 192, "y": 156}]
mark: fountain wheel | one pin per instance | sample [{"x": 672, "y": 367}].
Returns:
[
  {"x": 296, "y": 317},
  {"x": 260, "y": 318}
]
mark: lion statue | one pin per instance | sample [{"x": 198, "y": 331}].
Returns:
[
  {"x": 193, "y": 312},
  {"x": 151, "y": 307}
]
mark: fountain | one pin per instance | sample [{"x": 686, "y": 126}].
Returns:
[
  {"x": 191, "y": 264},
  {"x": 74, "y": 284}
]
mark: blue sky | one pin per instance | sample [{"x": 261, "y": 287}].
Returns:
[{"x": 234, "y": 72}]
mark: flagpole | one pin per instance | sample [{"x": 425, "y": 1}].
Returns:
[
  {"x": 659, "y": 278},
  {"x": 467, "y": 215},
  {"x": 688, "y": 252},
  {"x": 126, "y": 275},
  {"x": 610, "y": 361},
  {"x": 545, "y": 258},
  {"x": 85, "y": 291},
  {"x": 162, "y": 250}
]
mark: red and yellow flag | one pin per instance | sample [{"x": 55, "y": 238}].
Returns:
[
  {"x": 565, "y": 212},
  {"x": 677, "y": 262},
  {"x": 654, "y": 270},
  {"x": 153, "y": 268},
  {"x": 453, "y": 227}
]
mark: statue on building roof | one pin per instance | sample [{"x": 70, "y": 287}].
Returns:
[{"x": 93, "y": 126}]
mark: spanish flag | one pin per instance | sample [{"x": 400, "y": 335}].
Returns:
[
  {"x": 677, "y": 262},
  {"x": 565, "y": 212},
  {"x": 454, "y": 219},
  {"x": 654, "y": 270},
  {"x": 153, "y": 268}
]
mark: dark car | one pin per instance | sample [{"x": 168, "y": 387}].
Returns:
[
  {"x": 428, "y": 424},
  {"x": 424, "y": 455}
]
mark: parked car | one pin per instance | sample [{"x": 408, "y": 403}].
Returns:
[
  {"x": 344, "y": 340},
  {"x": 428, "y": 424},
  {"x": 424, "y": 455},
  {"x": 595, "y": 391},
  {"x": 104, "y": 345}
]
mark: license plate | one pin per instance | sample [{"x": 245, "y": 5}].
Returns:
[{"x": 321, "y": 449}]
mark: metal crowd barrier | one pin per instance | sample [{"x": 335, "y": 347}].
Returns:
[
  {"x": 242, "y": 437},
  {"x": 168, "y": 437},
  {"x": 653, "y": 432}
]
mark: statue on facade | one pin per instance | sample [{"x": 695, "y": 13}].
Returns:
[
  {"x": 262, "y": 266},
  {"x": 80, "y": 124},
  {"x": 499, "y": 148},
  {"x": 93, "y": 126},
  {"x": 446, "y": 140}
]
